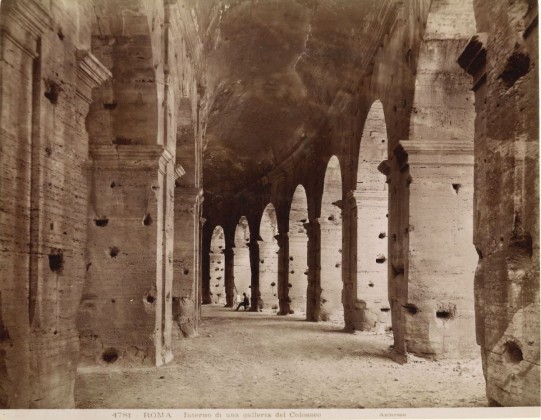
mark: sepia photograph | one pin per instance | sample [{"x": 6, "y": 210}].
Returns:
[{"x": 281, "y": 209}]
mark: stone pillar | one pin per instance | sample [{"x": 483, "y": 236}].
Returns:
[
  {"x": 187, "y": 274},
  {"x": 349, "y": 262},
  {"x": 372, "y": 309},
  {"x": 125, "y": 314},
  {"x": 506, "y": 206},
  {"x": 298, "y": 273},
  {"x": 254, "y": 269},
  {"x": 438, "y": 307},
  {"x": 205, "y": 269},
  {"x": 229, "y": 271},
  {"x": 313, "y": 295},
  {"x": 283, "y": 273}
]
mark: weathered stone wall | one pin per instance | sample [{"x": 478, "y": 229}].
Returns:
[
  {"x": 217, "y": 266},
  {"x": 503, "y": 60},
  {"x": 371, "y": 201},
  {"x": 331, "y": 307},
  {"x": 242, "y": 271},
  {"x": 268, "y": 259},
  {"x": 298, "y": 264},
  {"x": 46, "y": 81},
  {"x": 432, "y": 258}
]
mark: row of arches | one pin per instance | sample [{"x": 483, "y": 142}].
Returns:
[{"x": 371, "y": 217}]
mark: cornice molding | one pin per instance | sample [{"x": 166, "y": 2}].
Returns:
[
  {"x": 30, "y": 15},
  {"x": 129, "y": 156}
]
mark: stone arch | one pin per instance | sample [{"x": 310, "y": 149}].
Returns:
[
  {"x": 372, "y": 197},
  {"x": 331, "y": 307},
  {"x": 268, "y": 258},
  {"x": 298, "y": 254},
  {"x": 217, "y": 266},
  {"x": 242, "y": 271}
]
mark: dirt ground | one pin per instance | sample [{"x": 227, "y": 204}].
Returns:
[{"x": 258, "y": 360}]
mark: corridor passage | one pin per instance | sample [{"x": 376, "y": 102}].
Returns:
[{"x": 258, "y": 360}]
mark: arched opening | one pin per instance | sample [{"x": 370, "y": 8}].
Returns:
[
  {"x": 217, "y": 266},
  {"x": 373, "y": 310},
  {"x": 242, "y": 272},
  {"x": 332, "y": 308},
  {"x": 268, "y": 259},
  {"x": 298, "y": 254}
]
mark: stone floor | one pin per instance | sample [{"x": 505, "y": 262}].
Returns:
[{"x": 258, "y": 360}]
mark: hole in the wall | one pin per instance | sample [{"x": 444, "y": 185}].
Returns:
[
  {"x": 337, "y": 265},
  {"x": 274, "y": 306},
  {"x": 385, "y": 309},
  {"x": 219, "y": 278},
  {"x": 370, "y": 284},
  {"x": 52, "y": 91},
  {"x": 292, "y": 272},
  {"x": 411, "y": 308},
  {"x": 445, "y": 313},
  {"x": 110, "y": 355},
  {"x": 113, "y": 184},
  {"x": 60, "y": 34},
  {"x": 382, "y": 235},
  {"x": 289, "y": 285},
  {"x": 273, "y": 284},
  {"x": 262, "y": 261},
  {"x": 381, "y": 259},
  {"x": 217, "y": 285},
  {"x": 56, "y": 261},
  {"x": 216, "y": 269},
  {"x": 331, "y": 217},
  {"x": 186, "y": 271},
  {"x": 109, "y": 105},
  {"x": 150, "y": 299},
  {"x": 456, "y": 187},
  {"x": 306, "y": 273},
  {"x": 147, "y": 220},
  {"x": 512, "y": 353},
  {"x": 290, "y": 258},
  {"x": 51, "y": 226},
  {"x": 517, "y": 66},
  {"x": 55, "y": 332},
  {"x": 113, "y": 301},
  {"x": 113, "y": 252},
  {"x": 49, "y": 150},
  {"x": 88, "y": 266},
  {"x": 102, "y": 221}
]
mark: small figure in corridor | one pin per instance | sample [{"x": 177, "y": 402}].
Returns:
[{"x": 245, "y": 303}]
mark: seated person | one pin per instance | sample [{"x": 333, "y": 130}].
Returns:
[{"x": 245, "y": 303}]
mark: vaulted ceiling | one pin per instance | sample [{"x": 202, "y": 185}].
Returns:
[{"x": 273, "y": 69}]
